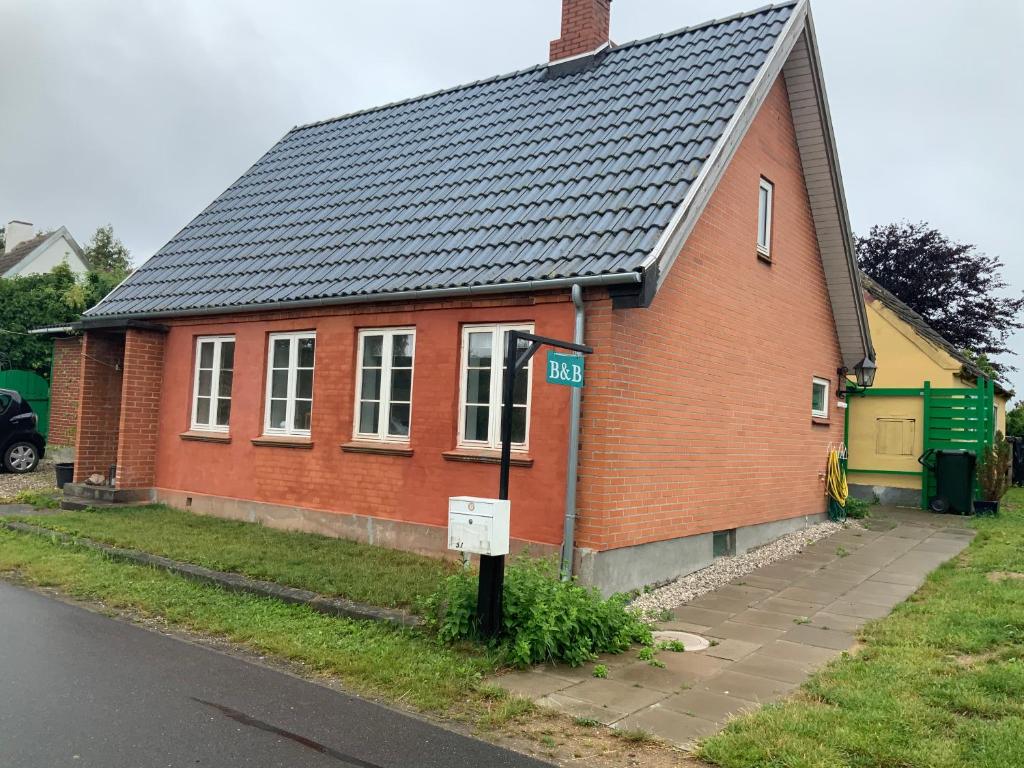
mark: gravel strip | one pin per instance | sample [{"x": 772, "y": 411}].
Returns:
[
  {"x": 43, "y": 479},
  {"x": 725, "y": 569}
]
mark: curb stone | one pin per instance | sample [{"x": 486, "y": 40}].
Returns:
[{"x": 233, "y": 582}]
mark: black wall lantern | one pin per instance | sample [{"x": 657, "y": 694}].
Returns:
[{"x": 864, "y": 371}]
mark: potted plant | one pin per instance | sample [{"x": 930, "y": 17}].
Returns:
[{"x": 993, "y": 475}]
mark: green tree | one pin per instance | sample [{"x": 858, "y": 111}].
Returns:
[
  {"x": 956, "y": 288},
  {"x": 1015, "y": 421},
  {"x": 29, "y": 302},
  {"x": 106, "y": 254},
  {"x": 3, "y": 238}
]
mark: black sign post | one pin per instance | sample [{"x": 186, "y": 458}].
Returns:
[{"x": 492, "y": 567}]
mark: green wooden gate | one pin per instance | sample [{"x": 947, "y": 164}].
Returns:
[
  {"x": 954, "y": 418},
  {"x": 35, "y": 389},
  {"x": 957, "y": 418}
]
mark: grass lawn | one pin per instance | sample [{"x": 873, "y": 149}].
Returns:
[
  {"x": 937, "y": 684},
  {"x": 326, "y": 565}
]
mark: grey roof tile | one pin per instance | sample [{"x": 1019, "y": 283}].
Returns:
[{"x": 520, "y": 177}]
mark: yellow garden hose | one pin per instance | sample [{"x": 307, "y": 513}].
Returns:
[{"x": 836, "y": 487}]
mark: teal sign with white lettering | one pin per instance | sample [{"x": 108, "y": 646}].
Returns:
[{"x": 566, "y": 370}]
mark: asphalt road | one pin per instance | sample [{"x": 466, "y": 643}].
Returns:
[{"x": 79, "y": 689}]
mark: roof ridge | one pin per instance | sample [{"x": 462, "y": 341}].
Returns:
[{"x": 538, "y": 67}]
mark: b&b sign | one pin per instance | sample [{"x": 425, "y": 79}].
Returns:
[{"x": 565, "y": 369}]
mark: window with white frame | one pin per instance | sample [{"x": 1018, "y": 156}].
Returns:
[
  {"x": 765, "y": 193},
  {"x": 819, "y": 398},
  {"x": 483, "y": 358},
  {"x": 211, "y": 387},
  {"x": 384, "y": 384},
  {"x": 289, "y": 408}
]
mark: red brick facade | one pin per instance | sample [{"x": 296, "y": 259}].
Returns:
[
  {"x": 140, "y": 409},
  {"x": 697, "y": 411},
  {"x": 99, "y": 404},
  {"x": 585, "y": 27},
  {"x": 65, "y": 382}
]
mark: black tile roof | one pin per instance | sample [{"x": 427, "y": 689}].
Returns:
[{"x": 519, "y": 178}]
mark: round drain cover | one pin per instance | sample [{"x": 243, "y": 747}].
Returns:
[{"x": 690, "y": 642}]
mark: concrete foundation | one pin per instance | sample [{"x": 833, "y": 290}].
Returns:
[
  {"x": 884, "y": 494},
  {"x": 628, "y": 568},
  {"x": 394, "y": 534}
]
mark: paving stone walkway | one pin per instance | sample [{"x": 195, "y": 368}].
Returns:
[{"x": 773, "y": 628}]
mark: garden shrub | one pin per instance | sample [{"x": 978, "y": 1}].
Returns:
[
  {"x": 543, "y": 618},
  {"x": 857, "y": 508}
]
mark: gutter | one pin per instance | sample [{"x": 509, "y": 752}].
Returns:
[
  {"x": 572, "y": 461},
  {"x": 525, "y": 286}
]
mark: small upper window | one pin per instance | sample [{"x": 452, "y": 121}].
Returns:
[
  {"x": 290, "y": 383},
  {"x": 384, "y": 384},
  {"x": 211, "y": 395},
  {"x": 764, "y": 217},
  {"x": 819, "y": 398}
]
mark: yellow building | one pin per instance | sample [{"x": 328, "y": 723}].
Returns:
[{"x": 926, "y": 394}]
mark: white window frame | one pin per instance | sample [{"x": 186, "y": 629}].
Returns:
[
  {"x": 823, "y": 414},
  {"x": 293, "y": 360},
  {"x": 385, "y": 384},
  {"x": 218, "y": 344},
  {"x": 497, "y": 374},
  {"x": 765, "y": 248}
]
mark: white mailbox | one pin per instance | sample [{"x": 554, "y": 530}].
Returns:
[{"x": 478, "y": 526}]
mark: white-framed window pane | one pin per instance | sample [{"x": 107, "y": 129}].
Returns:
[
  {"x": 223, "y": 411},
  {"x": 764, "y": 216},
  {"x": 290, "y": 383},
  {"x": 384, "y": 383},
  {"x": 211, "y": 403},
  {"x": 482, "y": 382},
  {"x": 819, "y": 397},
  {"x": 478, "y": 418}
]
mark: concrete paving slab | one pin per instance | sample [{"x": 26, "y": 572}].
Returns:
[
  {"x": 730, "y": 649},
  {"x": 804, "y": 595},
  {"x": 789, "y": 607},
  {"x": 745, "y": 592},
  {"x": 656, "y": 678},
  {"x": 747, "y": 632},
  {"x": 693, "y": 667},
  {"x": 757, "y": 579},
  {"x": 684, "y": 626},
  {"x": 730, "y": 605},
  {"x": 707, "y": 705},
  {"x": 759, "y": 618},
  {"x": 748, "y": 687},
  {"x": 811, "y": 656},
  {"x": 763, "y": 665},
  {"x": 704, "y": 616},
  {"x": 622, "y": 697},
  {"x": 870, "y": 589},
  {"x": 837, "y": 621},
  {"x": 532, "y": 684},
  {"x": 675, "y": 727},
  {"x": 849, "y": 607},
  {"x": 823, "y": 638},
  {"x": 577, "y": 708},
  {"x": 889, "y": 577}
]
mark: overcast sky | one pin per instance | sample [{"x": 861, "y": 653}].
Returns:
[{"x": 140, "y": 112}]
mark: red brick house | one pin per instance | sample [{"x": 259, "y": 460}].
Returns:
[{"x": 316, "y": 349}]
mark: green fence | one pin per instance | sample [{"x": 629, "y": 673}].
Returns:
[
  {"x": 954, "y": 418},
  {"x": 33, "y": 388}
]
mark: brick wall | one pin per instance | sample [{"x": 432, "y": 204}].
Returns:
[
  {"x": 65, "y": 383},
  {"x": 323, "y": 477},
  {"x": 585, "y": 26},
  {"x": 697, "y": 411},
  {"x": 99, "y": 403},
  {"x": 140, "y": 408}
]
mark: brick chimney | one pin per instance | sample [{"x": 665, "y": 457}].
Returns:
[{"x": 585, "y": 27}]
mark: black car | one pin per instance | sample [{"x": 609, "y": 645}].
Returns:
[{"x": 21, "y": 446}]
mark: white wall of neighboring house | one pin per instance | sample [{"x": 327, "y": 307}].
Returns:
[{"x": 48, "y": 255}]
